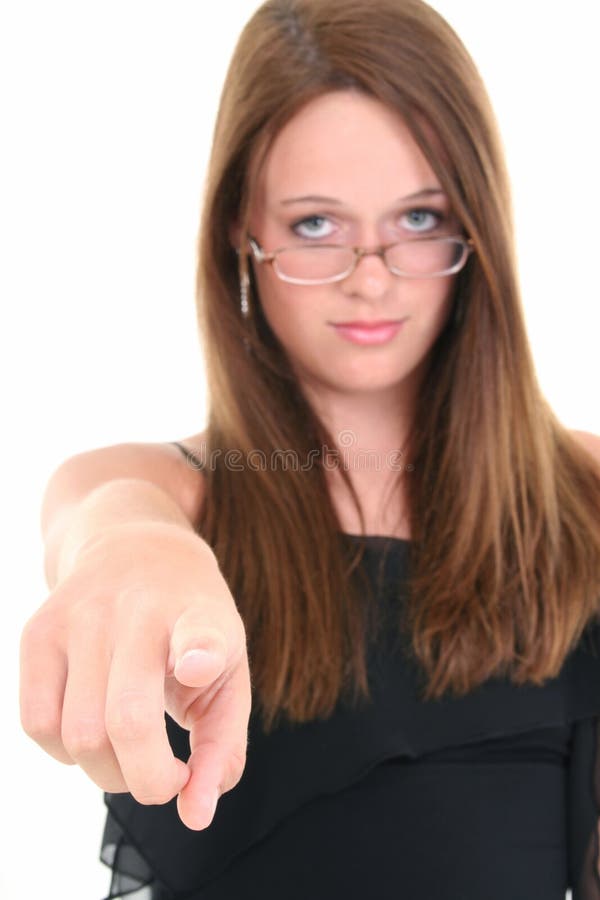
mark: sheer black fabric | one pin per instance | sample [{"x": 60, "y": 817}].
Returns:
[{"x": 495, "y": 795}]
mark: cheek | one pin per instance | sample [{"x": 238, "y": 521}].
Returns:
[
  {"x": 286, "y": 307},
  {"x": 429, "y": 313},
  {"x": 439, "y": 303}
]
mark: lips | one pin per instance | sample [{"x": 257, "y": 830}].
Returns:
[
  {"x": 375, "y": 323},
  {"x": 369, "y": 333}
]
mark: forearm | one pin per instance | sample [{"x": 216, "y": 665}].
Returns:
[{"x": 117, "y": 502}]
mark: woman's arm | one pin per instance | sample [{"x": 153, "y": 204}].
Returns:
[
  {"x": 133, "y": 589},
  {"x": 162, "y": 465}
]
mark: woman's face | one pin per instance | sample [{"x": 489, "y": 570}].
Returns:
[{"x": 340, "y": 172}]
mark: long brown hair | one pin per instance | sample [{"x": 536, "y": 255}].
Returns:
[{"x": 504, "y": 570}]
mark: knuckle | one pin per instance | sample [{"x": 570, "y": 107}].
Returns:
[
  {"x": 36, "y": 630},
  {"x": 30, "y": 631},
  {"x": 87, "y": 614},
  {"x": 40, "y": 724},
  {"x": 130, "y": 717},
  {"x": 158, "y": 798},
  {"x": 112, "y": 784},
  {"x": 139, "y": 600},
  {"x": 84, "y": 737}
]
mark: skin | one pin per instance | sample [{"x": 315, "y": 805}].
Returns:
[
  {"x": 101, "y": 659},
  {"x": 351, "y": 148}
]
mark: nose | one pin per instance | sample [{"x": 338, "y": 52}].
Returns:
[{"x": 370, "y": 279}]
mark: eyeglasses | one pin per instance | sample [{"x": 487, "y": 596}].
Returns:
[{"x": 430, "y": 257}]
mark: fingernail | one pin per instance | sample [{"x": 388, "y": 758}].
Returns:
[{"x": 194, "y": 656}]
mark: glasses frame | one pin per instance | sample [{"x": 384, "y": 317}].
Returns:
[{"x": 263, "y": 256}]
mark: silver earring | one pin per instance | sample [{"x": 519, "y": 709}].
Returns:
[{"x": 244, "y": 285}]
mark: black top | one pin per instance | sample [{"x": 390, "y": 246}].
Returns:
[{"x": 491, "y": 796}]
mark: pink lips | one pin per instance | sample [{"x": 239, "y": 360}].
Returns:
[{"x": 368, "y": 332}]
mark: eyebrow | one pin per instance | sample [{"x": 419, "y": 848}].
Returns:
[{"x": 316, "y": 198}]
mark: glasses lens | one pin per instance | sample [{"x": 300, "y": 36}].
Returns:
[
  {"x": 417, "y": 258},
  {"x": 423, "y": 257},
  {"x": 308, "y": 263}
]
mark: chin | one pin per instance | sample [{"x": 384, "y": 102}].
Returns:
[{"x": 359, "y": 382}]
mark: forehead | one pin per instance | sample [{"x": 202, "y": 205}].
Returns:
[{"x": 347, "y": 145}]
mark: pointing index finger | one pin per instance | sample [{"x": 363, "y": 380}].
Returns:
[{"x": 218, "y": 740}]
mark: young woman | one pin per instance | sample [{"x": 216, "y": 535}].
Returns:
[{"x": 384, "y": 535}]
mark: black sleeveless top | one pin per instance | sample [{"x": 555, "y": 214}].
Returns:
[{"x": 491, "y": 796}]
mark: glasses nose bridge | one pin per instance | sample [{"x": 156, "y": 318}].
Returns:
[{"x": 361, "y": 252}]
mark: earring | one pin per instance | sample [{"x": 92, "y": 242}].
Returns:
[{"x": 244, "y": 285}]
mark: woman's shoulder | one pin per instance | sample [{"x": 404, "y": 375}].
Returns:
[
  {"x": 189, "y": 455},
  {"x": 589, "y": 441}
]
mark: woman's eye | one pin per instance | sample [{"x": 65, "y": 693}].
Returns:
[
  {"x": 312, "y": 227},
  {"x": 421, "y": 216}
]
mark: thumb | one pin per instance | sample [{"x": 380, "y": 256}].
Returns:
[{"x": 198, "y": 652}]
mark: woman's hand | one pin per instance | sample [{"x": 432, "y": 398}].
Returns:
[{"x": 117, "y": 642}]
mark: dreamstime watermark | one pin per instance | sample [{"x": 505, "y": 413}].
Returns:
[{"x": 330, "y": 458}]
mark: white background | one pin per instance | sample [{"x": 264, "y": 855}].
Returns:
[{"x": 107, "y": 110}]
